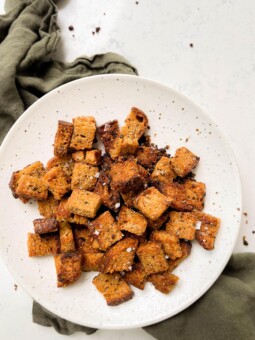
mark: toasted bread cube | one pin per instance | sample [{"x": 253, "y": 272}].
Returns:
[
  {"x": 63, "y": 138},
  {"x": 164, "y": 282},
  {"x": 93, "y": 157},
  {"x": 163, "y": 171},
  {"x": 136, "y": 124},
  {"x": 120, "y": 256},
  {"x": 129, "y": 198},
  {"x": 114, "y": 289},
  {"x": 109, "y": 134},
  {"x": 136, "y": 277},
  {"x": 125, "y": 176},
  {"x": 110, "y": 197},
  {"x": 152, "y": 257},
  {"x": 84, "y": 176},
  {"x": 84, "y": 203},
  {"x": 40, "y": 245},
  {"x": 48, "y": 208},
  {"x": 129, "y": 145},
  {"x": 186, "y": 250},
  {"x": 31, "y": 187},
  {"x": 45, "y": 225},
  {"x": 66, "y": 163},
  {"x": 145, "y": 175},
  {"x": 182, "y": 224},
  {"x": 195, "y": 193},
  {"x": 57, "y": 182},
  {"x": 84, "y": 240},
  {"x": 151, "y": 203},
  {"x": 83, "y": 133},
  {"x": 67, "y": 244},
  {"x": 157, "y": 224},
  {"x": 131, "y": 221},
  {"x": 79, "y": 156},
  {"x": 147, "y": 156},
  {"x": 184, "y": 161},
  {"x": 208, "y": 230},
  {"x": 105, "y": 230},
  {"x": 64, "y": 215},
  {"x": 91, "y": 261},
  {"x": 68, "y": 268},
  {"x": 170, "y": 243}
]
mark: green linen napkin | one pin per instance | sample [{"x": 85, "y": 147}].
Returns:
[{"x": 29, "y": 37}]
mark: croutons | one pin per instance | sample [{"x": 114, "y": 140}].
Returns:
[
  {"x": 164, "y": 282},
  {"x": 147, "y": 156},
  {"x": 93, "y": 157},
  {"x": 66, "y": 163},
  {"x": 136, "y": 123},
  {"x": 41, "y": 245},
  {"x": 151, "y": 203},
  {"x": 158, "y": 223},
  {"x": 48, "y": 208},
  {"x": 68, "y": 268},
  {"x": 114, "y": 289},
  {"x": 186, "y": 250},
  {"x": 208, "y": 230},
  {"x": 110, "y": 197},
  {"x": 31, "y": 187},
  {"x": 163, "y": 171},
  {"x": 45, "y": 225},
  {"x": 83, "y": 133},
  {"x": 79, "y": 156},
  {"x": 91, "y": 261},
  {"x": 170, "y": 243},
  {"x": 84, "y": 240},
  {"x": 84, "y": 203},
  {"x": 195, "y": 193},
  {"x": 63, "y": 138},
  {"x": 184, "y": 161},
  {"x": 66, "y": 238},
  {"x": 64, "y": 215},
  {"x": 84, "y": 176},
  {"x": 57, "y": 182},
  {"x": 182, "y": 224},
  {"x": 136, "y": 277},
  {"x": 109, "y": 134},
  {"x": 131, "y": 221}
]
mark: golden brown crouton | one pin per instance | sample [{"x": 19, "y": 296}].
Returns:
[
  {"x": 105, "y": 230},
  {"x": 164, "y": 282},
  {"x": 131, "y": 221},
  {"x": 136, "y": 123},
  {"x": 48, "y": 208},
  {"x": 184, "y": 161},
  {"x": 66, "y": 163},
  {"x": 45, "y": 225},
  {"x": 79, "y": 156},
  {"x": 170, "y": 243},
  {"x": 157, "y": 224},
  {"x": 68, "y": 268},
  {"x": 195, "y": 193},
  {"x": 208, "y": 230},
  {"x": 186, "y": 250},
  {"x": 128, "y": 145},
  {"x": 31, "y": 187},
  {"x": 57, "y": 182},
  {"x": 84, "y": 176},
  {"x": 84, "y": 203},
  {"x": 114, "y": 289},
  {"x": 151, "y": 203},
  {"x": 83, "y": 133},
  {"x": 62, "y": 138},
  {"x": 110, "y": 197},
  {"x": 145, "y": 175},
  {"x": 40, "y": 245},
  {"x": 109, "y": 134},
  {"x": 182, "y": 224},
  {"x": 64, "y": 215},
  {"x": 152, "y": 257},
  {"x": 84, "y": 240},
  {"x": 136, "y": 277},
  {"x": 120, "y": 256},
  {"x": 129, "y": 198},
  {"x": 91, "y": 261},
  {"x": 147, "y": 156},
  {"x": 125, "y": 176},
  {"x": 163, "y": 171},
  {"x": 66, "y": 238},
  {"x": 93, "y": 157}
]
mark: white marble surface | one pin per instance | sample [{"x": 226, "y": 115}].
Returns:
[{"x": 218, "y": 73}]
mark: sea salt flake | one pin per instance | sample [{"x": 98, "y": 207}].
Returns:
[
  {"x": 96, "y": 232},
  {"x": 198, "y": 225},
  {"x": 129, "y": 249},
  {"x": 117, "y": 205}
]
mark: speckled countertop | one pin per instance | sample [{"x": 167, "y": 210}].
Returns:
[{"x": 203, "y": 49}]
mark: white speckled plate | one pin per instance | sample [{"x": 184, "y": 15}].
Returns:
[{"x": 175, "y": 121}]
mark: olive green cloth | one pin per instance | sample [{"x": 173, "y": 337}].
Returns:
[{"x": 29, "y": 37}]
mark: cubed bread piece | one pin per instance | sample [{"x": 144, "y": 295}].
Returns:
[
  {"x": 157, "y": 224},
  {"x": 114, "y": 289},
  {"x": 182, "y": 224},
  {"x": 184, "y": 161},
  {"x": 208, "y": 230},
  {"x": 129, "y": 198},
  {"x": 110, "y": 197},
  {"x": 91, "y": 261},
  {"x": 67, "y": 244},
  {"x": 31, "y": 187},
  {"x": 84, "y": 203},
  {"x": 84, "y": 240},
  {"x": 48, "y": 208},
  {"x": 68, "y": 268},
  {"x": 125, "y": 176},
  {"x": 83, "y": 133},
  {"x": 152, "y": 257},
  {"x": 136, "y": 124},
  {"x": 105, "y": 230},
  {"x": 66, "y": 163},
  {"x": 195, "y": 193},
  {"x": 120, "y": 256},
  {"x": 57, "y": 182},
  {"x": 170, "y": 243},
  {"x": 186, "y": 250},
  {"x": 131, "y": 221},
  {"x": 151, "y": 203},
  {"x": 45, "y": 225},
  {"x": 136, "y": 277},
  {"x": 147, "y": 156},
  {"x": 79, "y": 156},
  {"x": 163, "y": 171},
  {"x": 164, "y": 282},
  {"x": 63, "y": 138},
  {"x": 93, "y": 157},
  {"x": 84, "y": 176},
  {"x": 145, "y": 175},
  {"x": 40, "y": 245},
  {"x": 129, "y": 144},
  {"x": 109, "y": 134},
  {"x": 64, "y": 215}
]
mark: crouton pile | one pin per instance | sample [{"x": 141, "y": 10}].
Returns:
[{"x": 129, "y": 214}]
